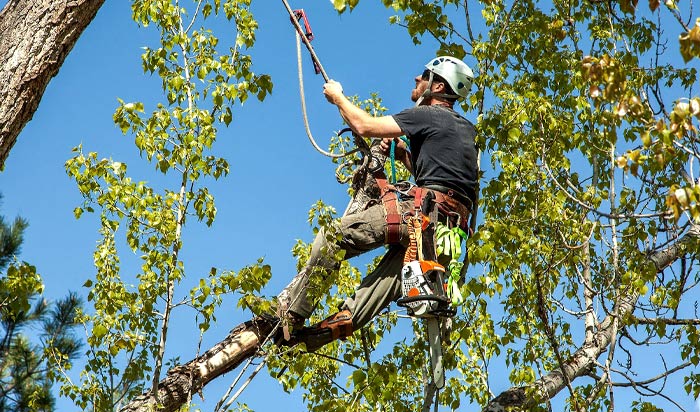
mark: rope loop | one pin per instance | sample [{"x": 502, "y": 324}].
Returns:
[{"x": 304, "y": 113}]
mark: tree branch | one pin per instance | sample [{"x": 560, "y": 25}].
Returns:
[
  {"x": 183, "y": 380},
  {"x": 584, "y": 359},
  {"x": 667, "y": 321}
]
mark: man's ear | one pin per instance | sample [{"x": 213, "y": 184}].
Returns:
[{"x": 438, "y": 87}]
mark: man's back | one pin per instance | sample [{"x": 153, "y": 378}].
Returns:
[{"x": 443, "y": 151}]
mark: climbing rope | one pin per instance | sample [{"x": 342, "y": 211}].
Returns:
[
  {"x": 303, "y": 109},
  {"x": 392, "y": 157},
  {"x": 304, "y": 113},
  {"x": 306, "y": 37},
  {"x": 361, "y": 145}
]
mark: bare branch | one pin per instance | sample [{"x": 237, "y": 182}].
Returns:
[{"x": 667, "y": 321}]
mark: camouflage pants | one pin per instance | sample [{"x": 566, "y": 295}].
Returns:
[{"x": 360, "y": 233}]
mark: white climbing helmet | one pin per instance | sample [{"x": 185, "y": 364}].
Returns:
[{"x": 457, "y": 74}]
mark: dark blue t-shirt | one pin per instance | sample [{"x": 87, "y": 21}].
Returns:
[{"x": 442, "y": 147}]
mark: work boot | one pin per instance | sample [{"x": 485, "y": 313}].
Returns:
[{"x": 337, "y": 326}]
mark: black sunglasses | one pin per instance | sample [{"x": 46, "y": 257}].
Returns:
[{"x": 426, "y": 76}]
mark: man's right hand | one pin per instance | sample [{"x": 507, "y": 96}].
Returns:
[{"x": 333, "y": 91}]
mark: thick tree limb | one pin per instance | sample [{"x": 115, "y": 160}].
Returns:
[
  {"x": 35, "y": 38},
  {"x": 187, "y": 379},
  {"x": 583, "y": 360},
  {"x": 667, "y": 321}
]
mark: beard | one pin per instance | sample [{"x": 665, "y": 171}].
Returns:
[{"x": 416, "y": 94}]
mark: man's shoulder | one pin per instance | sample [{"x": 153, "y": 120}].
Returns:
[
  {"x": 447, "y": 112},
  {"x": 416, "y": 111},
  {"x": 432, "y": 114},
  {"x": 413, "y": 109}
]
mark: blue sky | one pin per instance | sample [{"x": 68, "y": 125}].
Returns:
[{"x": 275, "y": 173}]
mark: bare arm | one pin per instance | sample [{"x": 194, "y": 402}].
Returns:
[{"x": 360, "y": 121}]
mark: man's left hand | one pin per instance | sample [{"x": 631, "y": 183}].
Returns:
[{"x": 400, "y": 149}]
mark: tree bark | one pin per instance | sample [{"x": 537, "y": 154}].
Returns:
[
  {"x": 183, "y": 381},
  {"x": 583, "y": 360},
  {"x": 35, "y": 38}
]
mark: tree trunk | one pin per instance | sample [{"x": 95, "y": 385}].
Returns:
[
  {"x": 583, "y": 360},
  {"x": 35, "y": 38}
]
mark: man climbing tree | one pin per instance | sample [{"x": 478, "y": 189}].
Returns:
[
  {"x": 578, "y": 260},
  {"x": 441, "y": 154}
]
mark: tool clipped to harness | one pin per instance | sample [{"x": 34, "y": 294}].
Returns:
[{"x": 422, "y": 285}]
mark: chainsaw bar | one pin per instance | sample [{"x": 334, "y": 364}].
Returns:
[{"x": 435, "y": 344}]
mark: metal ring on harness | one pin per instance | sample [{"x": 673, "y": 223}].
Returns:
[{"x": 390, "y": 201}]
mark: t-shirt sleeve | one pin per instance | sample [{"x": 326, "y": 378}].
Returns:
[{"x": 413, "y": 121}]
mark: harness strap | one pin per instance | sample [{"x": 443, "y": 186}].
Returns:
[
  {"x": 411, "y": 253},
  {"x": 390, "y": 202}
]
